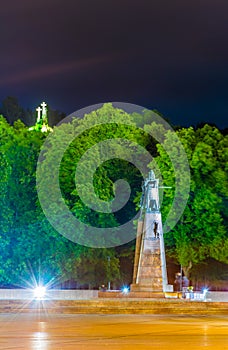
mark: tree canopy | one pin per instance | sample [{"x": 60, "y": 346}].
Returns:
[
  {"x": 202, "y": 231},
  {"x": 29, "y": 244}
]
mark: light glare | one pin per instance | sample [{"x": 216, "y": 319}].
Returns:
[
  {"x": 39, "y": 292},
  {"x": 125, "y": 290}
]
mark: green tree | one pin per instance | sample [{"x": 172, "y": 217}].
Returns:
[
  {"x": 201, "y": 232},
  {"x": 11, "y": 109},
  {"x": 28, "y": 243}
]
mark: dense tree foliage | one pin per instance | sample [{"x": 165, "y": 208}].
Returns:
[
  {"x": 29, "y": 244},
  {"x": 202, "y": 231}
]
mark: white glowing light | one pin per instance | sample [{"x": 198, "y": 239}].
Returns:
[
  {"x": 39, "y": 292},
  {"x": 125, "y": 290}
]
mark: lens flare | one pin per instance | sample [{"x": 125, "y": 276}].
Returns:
[
  {"x": 39, "y": 292},
  {"x": 125, "y": 290}
]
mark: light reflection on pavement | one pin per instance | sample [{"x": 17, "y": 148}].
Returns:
[{"x": 116, "y": 332}]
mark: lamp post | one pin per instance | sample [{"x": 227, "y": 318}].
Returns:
[
  {"x": 109, "y": 284},
  {"x": 181, "y": 273}
]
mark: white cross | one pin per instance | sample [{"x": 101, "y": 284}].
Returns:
[
  {"x": 43, "y": 105},
  {"x": 39, "y": 109}
]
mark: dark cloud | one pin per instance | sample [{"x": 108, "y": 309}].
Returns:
[{"x": 170, "y": 56}]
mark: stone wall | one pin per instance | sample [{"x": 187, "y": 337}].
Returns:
[
  {"x": 28, "y": 294},
  {"x": 76, "y": 294}
]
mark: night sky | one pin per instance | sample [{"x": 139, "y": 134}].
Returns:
[{"x": 171, "y": 56}]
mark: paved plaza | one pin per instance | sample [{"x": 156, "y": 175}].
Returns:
[{"x": 36, "y": 331}]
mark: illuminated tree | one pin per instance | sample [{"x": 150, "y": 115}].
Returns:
[{"x": 201, "y": 233}]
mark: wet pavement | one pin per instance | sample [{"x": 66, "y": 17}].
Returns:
[{"x": 113, "y": 332}]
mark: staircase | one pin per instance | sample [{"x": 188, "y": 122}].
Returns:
[{"x": 114, "y": 306}]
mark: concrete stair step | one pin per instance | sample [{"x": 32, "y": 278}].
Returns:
[{"x": 113, "y": 306}]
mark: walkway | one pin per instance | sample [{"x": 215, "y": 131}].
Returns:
[{"x": 112, "y": 332}]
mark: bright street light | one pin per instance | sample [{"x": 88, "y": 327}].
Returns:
[{"x": 39, "y": 292}]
